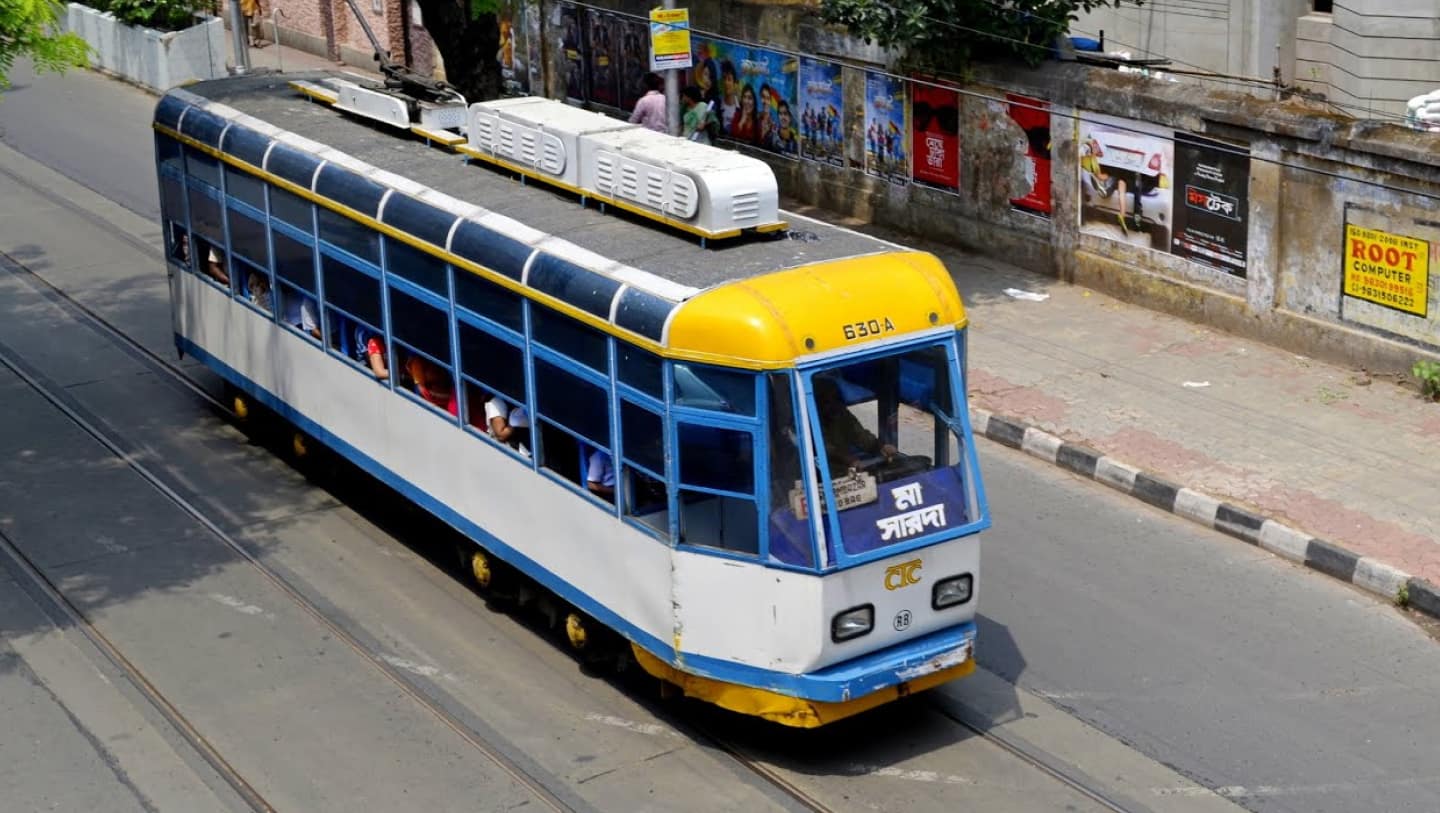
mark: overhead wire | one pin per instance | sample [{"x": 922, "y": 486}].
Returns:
[{"x": 1219, "y": 146}]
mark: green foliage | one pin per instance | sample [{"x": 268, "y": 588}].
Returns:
[
  {"x": 1428, "y": 374},
  {"x": 948, "y": 34},
  {"x": 29, "y": 28},
  {"x": 165, "y": 15}
]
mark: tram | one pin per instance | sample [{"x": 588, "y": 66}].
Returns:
[{"x": 748, "y": 459}]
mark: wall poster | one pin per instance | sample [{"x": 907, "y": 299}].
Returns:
[
  {"x": 1033, "y": 117},
  {"x": 753, "y": 90},
  {"x": 570, "y": 47},
  {"x": 822, "y": 116},
  {"x": 1213, "y": 200},
  {"x": 885, "y": 128},
  {"x": 1126, "y": 174},
  {"x": 935, "y": 133},
  {"x": 602, "y": 53}
]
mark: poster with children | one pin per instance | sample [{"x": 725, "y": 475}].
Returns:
[
  {"x": 822, "y": 105},
  {"x": 885, "y": 128},
  {"x": 753, "y": 91}
]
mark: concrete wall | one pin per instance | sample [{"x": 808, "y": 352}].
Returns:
[
  {"x": 1310, "y": 172},
  {"x": 155, "y": 59},
  {"x": 1371, "y": 54}
]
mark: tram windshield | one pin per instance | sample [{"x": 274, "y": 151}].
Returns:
[{"x": 887, "y": 440}]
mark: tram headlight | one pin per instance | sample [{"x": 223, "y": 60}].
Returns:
[
  {"x": 852, "y": 623},
  {"x": 952, "y": 591}
]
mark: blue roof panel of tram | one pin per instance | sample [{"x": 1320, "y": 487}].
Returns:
[
  {"x": 643, "y": 313},
  {"x": 203, "y": 126},
  {"x": 418, "y": 218},
  {"x": 168, "y": 111},
  {"x": 345, "y": 187},
  {"x": 489, "y": 248},
  {"x": 666, "y": 253},
  {"x": 246, "y": 144},
  {"x": 568, "y": 282},
  {"x": 293, "y": 165}
]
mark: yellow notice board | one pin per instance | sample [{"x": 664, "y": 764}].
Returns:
[
  {"x": 669, "y": 39},
  {"x": 1387, "y": 269}
]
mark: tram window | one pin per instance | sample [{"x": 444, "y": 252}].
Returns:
[
  {"x": 344, "y": 233},
  {"x": 210, "y": 261},
  {"x": 572, "y": 402},
  {"x": 647, "y": 500},
  {"x": 433, "y": 382},
  {"x": 294, "y": 261},
  {"x": 560, "y": 452},
  {"x": 247, "y": 237},
  {"x": 483, "y": 405},
  {"x": 351, "y": 290},
  {"x": 475, "y": 293},
  {"x": 424, "y": 327},
  {"x": 571, "y": 338},
  {"x": 715, "y": 521},
  {"x": 202, "y": 167},
  {"x": 205, "y": 216},
  {"x": 292, "y": 209},
  {"x": 168, "y": 154},
  {"x": 702, "y": 387},
  {"x": 172, "y": 198},
  {"x": 643, "y": 434},
  {"x": 711, "y": 457},
  {"x": 256, "y": 282},
  {"x": 639, "y": 369},
  {"x": 494, "y": 363},
  {"x": 419, "y": 267},
  {"x": 177, "y": 242},
  {"x": 789, "y": 536},
  {"x": 297, "y": 309},
  {"x": 244, "y": 187}
]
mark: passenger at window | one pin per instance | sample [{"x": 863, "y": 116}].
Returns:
[
  {"x": 432, "y": 383},
  {"x": 846, "y": 440},
  {"x": 180, "y": 244},
  {"x": 215, "y": 266},
  {"x": 509, "y": 425},
  {"x": 259, "y": 287},
  {"x": 300, "y": 312},
  {"x": 600, "y": 475},
  {"x": 369, "y": 350}
]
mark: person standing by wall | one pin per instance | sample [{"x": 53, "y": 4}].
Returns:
[{"x": 650, "y": 109}]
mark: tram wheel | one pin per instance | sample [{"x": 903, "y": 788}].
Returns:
[
  {"x": 300, "y": 445},
  {"x": 577, "y": 631}
]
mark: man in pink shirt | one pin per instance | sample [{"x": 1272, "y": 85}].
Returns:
[{"x": 650, "y": 110}]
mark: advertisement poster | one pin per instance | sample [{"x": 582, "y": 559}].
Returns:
[
  {"x": 935, "y": 137},
  {"x": 669, "y": 39},
  {"x": 570, "y": 49},
  {"x": 602, "y": 56},
  {"x": 753, "y": 90},
  {"x": 1388, "y": 269},
  {"x": 514, "y": 73},
  {"x": 1212, "y": 202},
  {"x": 634, "y": 61},
  {"x": 1126, "y": 178},
  {"x": 822, "y": 117},
  {"x": 1033, "y": 117},
  {"x": 885, "y": 130}
]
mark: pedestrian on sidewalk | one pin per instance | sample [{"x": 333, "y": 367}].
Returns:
[
  {"x": 700, "y": 123},
  {"x": 250, "y": 9},
  {"x": 650, "y": 110}
]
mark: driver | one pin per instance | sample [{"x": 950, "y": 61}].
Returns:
[{"x": 846, "y": 440}]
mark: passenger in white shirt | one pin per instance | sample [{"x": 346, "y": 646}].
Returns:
[{"x": 509, "y": 425}]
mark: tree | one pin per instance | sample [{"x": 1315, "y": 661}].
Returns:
[
  {"x": 467, "y": 35},
  {"x": 30, "y": 28},
  {"x": 948, "y": 34}
]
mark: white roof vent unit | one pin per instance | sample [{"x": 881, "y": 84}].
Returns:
[
  {"x": 538, "y": 134},
  {"x": 714, "y": 191}
]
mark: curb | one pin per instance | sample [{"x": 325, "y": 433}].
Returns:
[{"x": 1374, "y": 577}]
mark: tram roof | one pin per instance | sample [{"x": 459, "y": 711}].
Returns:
[{"x": 615, "y": 236}]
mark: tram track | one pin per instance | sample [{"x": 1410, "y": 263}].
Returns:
[{"x": 545, "y": 795}]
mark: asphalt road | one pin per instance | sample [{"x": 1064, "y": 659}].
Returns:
[{"x": 1164, "y": 639}]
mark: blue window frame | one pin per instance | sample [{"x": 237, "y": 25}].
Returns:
[
  {"x": 296, "y": 290},
  {"x": 420, "y": 335},
  {"x": 202, "y": 167},
  {"x": 705, "y": 387},
  {"x": 485, "y": 298},
  {"x": 646, "y": 492},
  {"x": 292, "y": 209},
  {"x": 493, "y": 365},
  {"x": 420, "y": 267},
  {"x": 248, "y": 235},
  {"x": 573, "y": 415},
  {"x": 570, "y": 338},
  {"x": 348, "y": 235},
  {"x": 244, "y": 187}
]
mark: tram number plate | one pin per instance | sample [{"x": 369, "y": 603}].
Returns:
[
  {"x": 850, "y": 491},
  {"x": 867, "y": 328}
]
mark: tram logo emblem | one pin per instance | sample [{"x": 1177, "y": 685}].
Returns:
[
  {"x": 902, "y": 621},
  {"x": 902, "y": 575}
]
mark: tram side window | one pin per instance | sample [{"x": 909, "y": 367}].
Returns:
[
  {"x": 352, "y": 314},
  {"x": 420, "y": 331},
  {"x": 717, "y": 487},
  {"x": 245, "y": 188},
  {"x": 202, "y": 167},
  {"x": 295, "y": 283},
  {"x": 493, "y": 374},
  {"x": 483, "y": 297},
  {"x": 642, "y": 438},
  {"x": 291, "y": 209},
  {"x": 177, "y": 241},
  {"x": 789, "y": 534},
  {"x": 713, "y": 388},
  {"x": 570, "y": 338},
  {"x": 639, "y": 369},
  {"x": 573, "y": 414},
  {"x": 419, "y": 267},
  {"x": 346, "y": 234}
]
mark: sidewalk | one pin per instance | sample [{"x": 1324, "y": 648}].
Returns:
[
  {"x": 1332, "y": 453},
  {"x": 1294, "y": 447}
]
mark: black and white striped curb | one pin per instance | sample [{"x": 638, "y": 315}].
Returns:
[{"x": 1328, "y": 558}]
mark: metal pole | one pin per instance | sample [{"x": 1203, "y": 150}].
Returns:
[
  {"x": 672, "y": 93},
  {"x": 241, "y": 37}
]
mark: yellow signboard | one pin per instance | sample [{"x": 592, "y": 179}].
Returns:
[
  {"x": 669, "y": 39},
  {"x": 1387, "y": 269}
]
